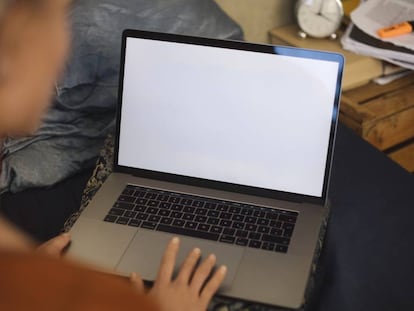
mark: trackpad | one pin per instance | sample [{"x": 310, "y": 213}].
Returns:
[{"x": 146, "y": 249}]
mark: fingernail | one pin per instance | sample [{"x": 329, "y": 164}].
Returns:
[
  {"x": 196, "y": 251},
  {"x": 212, "y": 257},
  {"x": 223, "y": 269},
  {"x": 66, "y": 235},
  {"x": 175, "y": 240}
]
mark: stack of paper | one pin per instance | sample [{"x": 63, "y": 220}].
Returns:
[{"x": 361, "y": 36}]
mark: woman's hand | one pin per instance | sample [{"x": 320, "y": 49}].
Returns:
[
  {"x": 189, "y": 290},
  {"x": 54, "y": 247}
]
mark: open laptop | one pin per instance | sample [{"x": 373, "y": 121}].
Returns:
[{"x": 227, "y": 145}]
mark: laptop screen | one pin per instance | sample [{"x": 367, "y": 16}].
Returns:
[{"x": 228, "y": 115}]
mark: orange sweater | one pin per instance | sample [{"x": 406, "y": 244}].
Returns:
[{"x": 35, "y": 282}]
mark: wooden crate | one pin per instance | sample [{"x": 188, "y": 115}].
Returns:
[{"x": 384, "y": 116}]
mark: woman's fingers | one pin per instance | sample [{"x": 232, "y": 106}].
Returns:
[
  {"x": 188, "y": 265},
  {"x": 55, "y": 246},
  {"x": 202, "y": 273},
  {"x": 168, "y": 262},
  {"x": 137, "y": 282},
  {"x": 213, "y": 285}
]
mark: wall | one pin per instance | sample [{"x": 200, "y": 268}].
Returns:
[{"x": 257, "y": 17}]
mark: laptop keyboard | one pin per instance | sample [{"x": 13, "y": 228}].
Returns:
[{"x": 205, "y": 218}]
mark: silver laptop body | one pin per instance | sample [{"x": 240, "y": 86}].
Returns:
[{"x": 239, "y": 124}]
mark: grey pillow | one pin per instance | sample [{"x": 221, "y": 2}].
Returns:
[{"x": 83, "y": 111}]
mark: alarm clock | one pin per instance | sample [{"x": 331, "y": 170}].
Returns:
[{"x": 319, "y": 18}]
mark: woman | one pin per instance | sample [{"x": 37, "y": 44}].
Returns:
[{"x": 34, "y": 40}]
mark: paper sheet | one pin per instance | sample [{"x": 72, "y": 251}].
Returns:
[{"x": 372, "y": 15}]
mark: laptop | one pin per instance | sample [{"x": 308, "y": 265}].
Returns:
[{"x": 227, "y": 145}]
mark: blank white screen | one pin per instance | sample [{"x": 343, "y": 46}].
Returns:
[{"x": 241, "y": 117}]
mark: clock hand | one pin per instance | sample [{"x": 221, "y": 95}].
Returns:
[{"x": 321, "y": 7}]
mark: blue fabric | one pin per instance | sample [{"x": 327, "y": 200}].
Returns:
[{"x": 83, "y": 110}]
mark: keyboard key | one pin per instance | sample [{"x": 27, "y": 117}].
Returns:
[
  {"x": 288, "y": 226},
  {"x": 263, "y": 229},
  {"x": 164, "y": 212},
  {"x": 134, "y": 223},
  {"x": 124, "y": 205},
  {"x": 276, "y": 231},
  {"x": 151, "y": 196},
  {"x": 126, "y": 198},
  {"x": 174, "y": 200},
  {"x": 210, "y": 205},
  {"x": 128, "y": 191},
  {"x": 213, "y": 221},
  {"x": 287, "y": 218},
  {"x": 213, "y": 213},
  {"x": 237, "y": 217},
  {"x": 154, "y": 218},
  {"x": 189, "y": 232},
  {"x": 263, "y": 222},
  {"x": 242, "y": 234},
  {"x": 229, "y": 231},
  {"x": 148, "y": 225},
  {"x": 250, "y": 227},
  {"x": 203, "y": 227},
  {"x": 241, "y": 242},
  {"x": 259, "y": 213},
  {"x": 275, "y": 239},
  {"x": 176, "y": 214},
  {"x": 141, "y": 216},
  {"x": 130, "y": 214},
  {"x": 272, "y": 215},
  {"x": 140, "y": 208},
  {"x": 153, "y": 203},
  {"x": 288, "y": 233},
  {"x": 200, "y": 219},
  {"x": 227, "y": 216},
  {"x": 222, "y": 208},
  {"x": 254, "y": 236},
  {"x": 165, "y": 205},
  {"x": 166, "y": 220},
  {"x": 152, "y": 210},
  {"x": 141, "y": 201},
  {"x": 139, "y": 194},
  {"x": 281, "y": 248},
  {"x": 238, "y": 225},
  {"x": 198, "y": 203},
  {"x": 116, "y": 212},
  {"x": 162, "y": 197},
  {"x": 188, "y": 209},
  {"x": 201, "y": 211},
  {"x": 255, "y": 244},
  {"x": 179, "y": 222},
  {"x": 227, "y": 239},
  {"x": 268, "y": 246},
  {"x": 177, "y": 207},
  {"x": 246, "y": 212},
  {"x": 284, "y": 212},
  {"x": 186, "y": 201},
  {"x": 275, "y": 224},
  {"x": 190, "y": 225},
  {"x": 188, "y": 216},
  {"x": 225, "y": 223},
  {"x": 122, "y": 220},
  {"x": 234, "y": 209},
  {"x": 250, "y": 220},
  {"x": 216, "y": 229},
  {"x": 110, "y": 218}
]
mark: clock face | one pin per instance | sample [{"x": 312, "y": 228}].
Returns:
[{"x": 319, "y": 18}]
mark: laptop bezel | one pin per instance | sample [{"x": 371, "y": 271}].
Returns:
[{"x": 237, "y": 45}]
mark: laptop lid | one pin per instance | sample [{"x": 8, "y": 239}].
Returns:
[{"x": 234, "y": 116}]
